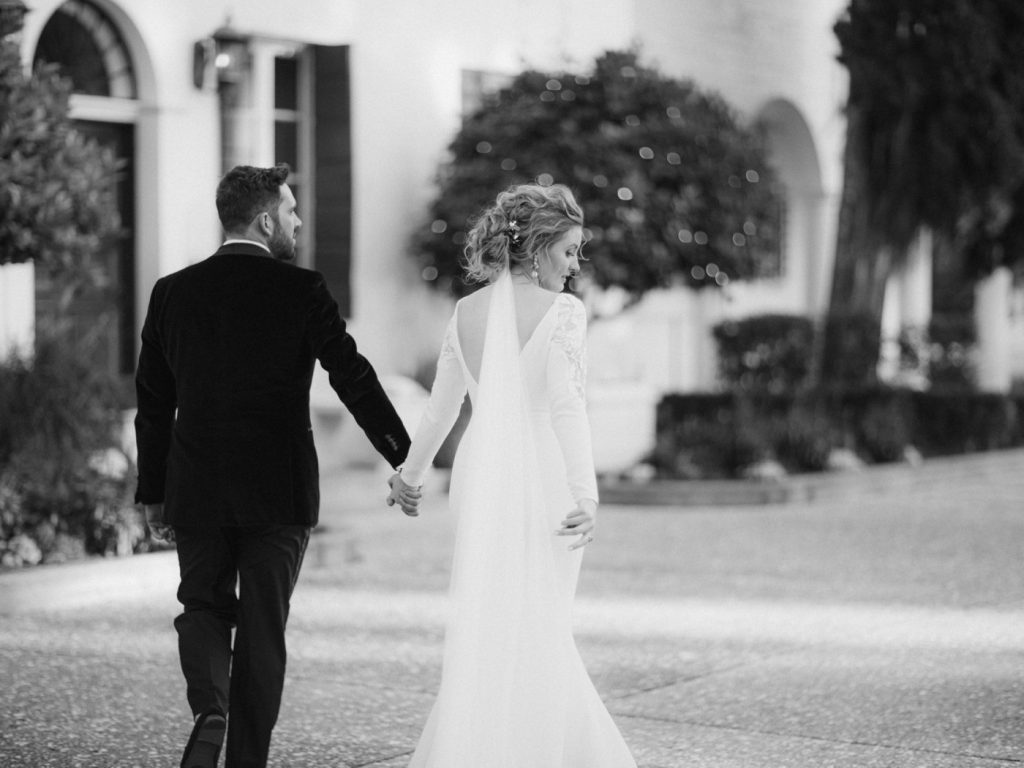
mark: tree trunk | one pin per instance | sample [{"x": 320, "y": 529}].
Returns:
[{"x": 849, "y": 339}]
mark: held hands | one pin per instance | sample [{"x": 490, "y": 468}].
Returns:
[
  {"x": 405, "y": 495},
  {"x": 580, "y": 522},
  {"x": 158, "y": 529}
]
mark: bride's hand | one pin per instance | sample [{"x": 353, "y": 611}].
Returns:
[
  {"x": 580, "y": 522},
  {"x": 405, "y": 495}
]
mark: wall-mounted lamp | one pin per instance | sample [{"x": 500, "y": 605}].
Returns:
[
  {"x": 12, "y": 17},
  {"x": 226, "y": 52},
  {"x": 232, "y": 59}
]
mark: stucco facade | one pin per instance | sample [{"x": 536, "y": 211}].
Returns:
[{"x": 406, "y": 63}]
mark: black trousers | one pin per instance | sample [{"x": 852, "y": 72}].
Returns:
[{"x": 243, "y": 681}]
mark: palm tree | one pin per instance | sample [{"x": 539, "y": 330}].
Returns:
[{"x": 935, "y": 139}]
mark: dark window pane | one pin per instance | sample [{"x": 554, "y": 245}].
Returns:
[
  {"x": 286, "y": 143},
  {"x": 89, "y": 50},
  {"x": 286, "y": 83},
  {"x": 66, "y": 42}
]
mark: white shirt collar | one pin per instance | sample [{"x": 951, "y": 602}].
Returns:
[{"x": 236, "y": 241}]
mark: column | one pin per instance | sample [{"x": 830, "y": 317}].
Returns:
[{"x": 992, "y": 318}]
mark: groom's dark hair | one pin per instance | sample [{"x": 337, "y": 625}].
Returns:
[{"x": 246, "y": 191}]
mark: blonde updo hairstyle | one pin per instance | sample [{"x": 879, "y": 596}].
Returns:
[{"x": 523, "y": 222}]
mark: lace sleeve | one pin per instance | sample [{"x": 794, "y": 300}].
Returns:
[
  {"x": 448, "y": 353},
  {"x": 446, "y": 396},
  {"x": 570, "y": 336},
  {"x": 566, "y": 380}
]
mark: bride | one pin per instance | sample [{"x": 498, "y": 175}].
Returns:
[{"x": 514, "y": 692}]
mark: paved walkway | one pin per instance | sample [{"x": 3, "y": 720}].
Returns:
[{"x": 875, "y": 622}]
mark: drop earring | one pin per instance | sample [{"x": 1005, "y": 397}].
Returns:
[{"x": 535, "y": 271}]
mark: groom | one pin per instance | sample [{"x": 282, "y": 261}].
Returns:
[{"x": 227, "y": 466}]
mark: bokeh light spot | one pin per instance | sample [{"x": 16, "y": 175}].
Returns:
[
  {"x": 625, "y": 194},
  {"x": 673, "y": 158},
  {"x": 545, "y": 179},
  {"x": 753, "y": 176},
  {"x": 553, "y": 85},
  {"x": 600, "y": 181},
  {"x": 739, "y": 240},
  {"x": 700, "y": 238},
  {"x": 646, "y": 153},
  {"x": 685, "y": 236},
  {"x": 484, "y": 147},
  {"x": 632, "y": 121},
  {"x": 429, "y": 274},
  {"x": 438, "y": 226},
  {"x": 697, "y": 272}
]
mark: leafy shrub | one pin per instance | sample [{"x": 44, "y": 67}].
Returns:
[
  {"x": 57, "y": 188},
  {"x": 805, "y": 441},
  {"x": 708, "y": 436},
  {"x": 952, "y": 337},
  {"x": 764, "y": 353},
  {"x": 702, "y": 436},
  {"x": 58, "y": 411},
  {"x": 674, "y": 186},
  {"x": 883, "y": 432},
  {"x": 953, "y": 422},
  {"x": 56, "y": 502},
  {"x": 851, "y": 341}
]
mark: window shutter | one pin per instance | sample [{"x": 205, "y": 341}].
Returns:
[{"x": 332, "y": 198}]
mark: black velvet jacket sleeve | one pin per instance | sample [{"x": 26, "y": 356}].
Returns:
[
  {"x": 229, "y": 347},
  {"x": 157, "y": 401},
  {"x": 354, "y": 379}
]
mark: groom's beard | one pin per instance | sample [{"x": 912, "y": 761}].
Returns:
[{"x": 281, "y": 246}]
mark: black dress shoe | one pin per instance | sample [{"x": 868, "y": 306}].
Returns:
[{"x": 204, "y": 744}]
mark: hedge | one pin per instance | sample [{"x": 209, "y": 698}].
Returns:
[{"x": 719, "y": 435}]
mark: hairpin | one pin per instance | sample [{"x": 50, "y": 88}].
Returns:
[{"x": 512, "y": 232}]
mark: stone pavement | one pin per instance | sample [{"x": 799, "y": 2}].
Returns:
[{"x": 878, "y": 621}]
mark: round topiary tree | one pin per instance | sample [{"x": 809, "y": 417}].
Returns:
[{"x": 674, "y": 187}]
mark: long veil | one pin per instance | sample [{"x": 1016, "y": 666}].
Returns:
[{"x": 502, "y": 692}]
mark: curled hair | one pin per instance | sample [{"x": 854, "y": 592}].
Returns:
[
  {"x": 524, "y": 221},
  {"x": 245, "y": 192}
]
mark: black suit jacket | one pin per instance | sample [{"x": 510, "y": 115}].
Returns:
[{"x": 223, "y": 428}]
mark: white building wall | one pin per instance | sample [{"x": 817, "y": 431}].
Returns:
[
  {"x": 758, "y": 56},
  {"x": 407, "y": 60},
  {"x": 17, "y": 310}
]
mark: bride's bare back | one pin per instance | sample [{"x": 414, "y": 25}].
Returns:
[{"x": 532, "y": 304}]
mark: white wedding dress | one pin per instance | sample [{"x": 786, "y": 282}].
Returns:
[{"x": 514, "y": 692}]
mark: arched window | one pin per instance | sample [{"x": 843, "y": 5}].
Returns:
[{"x": 90, "y": 51}]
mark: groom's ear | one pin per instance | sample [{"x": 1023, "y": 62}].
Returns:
[{"x": 266, "y": 223}]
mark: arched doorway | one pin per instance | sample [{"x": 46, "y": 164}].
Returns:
[
  {"x": 795, "y": 159},
  {"x": 85, "y": 43}
]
